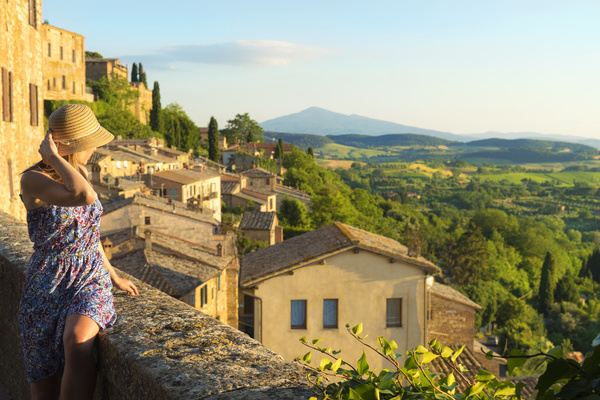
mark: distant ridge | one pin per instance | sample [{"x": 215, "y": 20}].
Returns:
[
  {"x": 322, "y": 122},
  {"x": 318, "y": 121}
]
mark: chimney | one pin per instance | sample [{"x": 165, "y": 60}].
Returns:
[
  {"x": 414, "y": 247},
  {"x": 220, "y": 250},
  {"x": 148, "y": 240}
]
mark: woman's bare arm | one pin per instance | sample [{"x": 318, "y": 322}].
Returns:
[
  {"x": 122, "y": 283},
  {"x": 75, "y": 190}
]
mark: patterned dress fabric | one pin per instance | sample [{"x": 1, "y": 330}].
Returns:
[{"x": 66, "y": 275}]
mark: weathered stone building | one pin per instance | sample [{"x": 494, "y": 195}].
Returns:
[
  {"x": 143, "y": 103},
  {"x": 21, "y": 104},
  {"x": 63, "y": 55},
  {"x": 261, "y": 226},
  {"x": 96, "y": 68}
]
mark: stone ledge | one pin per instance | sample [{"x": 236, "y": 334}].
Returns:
[{"x": 159, "y": 347}]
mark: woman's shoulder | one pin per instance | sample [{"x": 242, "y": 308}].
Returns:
[{"x": 33, "y": 180}]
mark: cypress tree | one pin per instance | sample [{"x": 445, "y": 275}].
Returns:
[
  {"x": 142, "y": 75},
  {"x": 566, "y": 289},
  {"x": 279, "y": 149},
  {"x": 134, "y": 73},
  {"x": 156, "y": 117},
  {"x": 310, "y": 151},
  {"x": 213, "y": 140},
  {"x": 593, "y": 265},
  {"x": 547, "y": 284}
]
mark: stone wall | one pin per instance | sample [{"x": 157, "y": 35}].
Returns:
[
  {"x": 21, "y": 60},
  {"x": 159, "y": 347},
  {"x": 450, "y": 322},
  {"x": 63, "y": 55}
]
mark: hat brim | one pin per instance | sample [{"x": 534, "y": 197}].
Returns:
[{"x": 96, "y": 139}]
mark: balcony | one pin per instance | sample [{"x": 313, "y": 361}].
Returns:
[{"x": 159, "y": 347}]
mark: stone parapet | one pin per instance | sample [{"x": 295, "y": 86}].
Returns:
[{"x": 159, "y": 347}]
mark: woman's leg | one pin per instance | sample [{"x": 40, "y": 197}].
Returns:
[
  {"x": 46, "y": 389},
  {"x": 79, "y": 376}
]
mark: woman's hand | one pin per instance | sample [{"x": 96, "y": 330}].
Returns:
[
  {"x": 48, "y": 148},
  {"x": 127, "y": 286}
]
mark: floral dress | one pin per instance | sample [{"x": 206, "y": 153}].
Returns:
[{"x": 66, "y": 275}]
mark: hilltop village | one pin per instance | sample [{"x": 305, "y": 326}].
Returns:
[{"x": 162, "y": 221}]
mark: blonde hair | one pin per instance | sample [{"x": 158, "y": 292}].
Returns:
[{"x": 48, "y": 169}]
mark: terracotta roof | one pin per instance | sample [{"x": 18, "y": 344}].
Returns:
[
  {"x": 448, "y": 293},
  {"x": 257, "y": 221},
  {"x": 257, "y": 173},
  {"x": 310, "y": 246},
  {"x": 230, "y": 177},
  {"x": 247, "y": 196},
  {"x": 186, "y": 176},
  {"x": 171, "y": 274},
  {"x": 159, "y": 203},
  {"x": 98, "y": 155},
  {"x": 229, "y": 187}
]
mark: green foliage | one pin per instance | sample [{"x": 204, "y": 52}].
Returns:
[
  {"x": 213, "y": 140},
  {"x": 292, "y": 213},
  {"x": 93, "y": 54},
  {"x": 142, "y": 75},
  {"x": 179, "y": 130},
  {"x": 156, "y": 113},
  {"x": 566, "y": 290},
  {"x": 243, "y": 129},
  {"x": 279, "y": 149},
  {"x": 245, "y": 245},
  {"x": 547, "y": 284},
  {"x": 470, "y": 257},
  {"x": 134, "y": 73},
  {"x": 336, "y": 378},
  {"x": 310, "y": 151},
  {"x": 114, "y": 91}
]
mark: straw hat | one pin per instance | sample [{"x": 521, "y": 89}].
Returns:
[{"x": 75, "y": 128}]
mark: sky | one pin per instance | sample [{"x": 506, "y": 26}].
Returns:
[{"x": 462, "y": 66}]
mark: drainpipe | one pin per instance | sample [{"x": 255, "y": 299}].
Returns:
[
  {"x": 259, "y": 338},
  {"x": 428, "y": 282}
]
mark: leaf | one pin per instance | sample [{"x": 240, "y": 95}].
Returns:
[
  {"x": 303, "y": 339},
  {"x": 446, "y": 351},
  {"x": 393, "y": 344},
  {"x": 489, "y": 355},
  {"x": 352, "y": 395},
  {"x": 455, "y": 355},
  {"x": 555, "y": 371},
  {"x": 324, "y": 364},
  {"x": 428, "y": 357},
  {"x": 362, "y": 366},
  {"x": 512, "y": 363},
  {"x": 336, "y": 365},
  {"x": 307, "y": 357},
  {"x": 367, "y": 391},
  {"x": 421, "y": 350},
  {"x": 315, "y": 341},
  {"x": 505, "y": 389},
  {"x": 484, "y": 376},
  {"x": 357, "y": 330},
  {"x": 476, "y": 388}
]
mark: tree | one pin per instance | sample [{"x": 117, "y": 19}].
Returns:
[
  {"x": 279, "y": 149},
  {"x": 566, "y": 290},
  {"x": 311, "y": 152},
  {"x": 142, "y": 76},
  {"x": 134, "y": 73},
  {"x": 243, "y": 129},
  {"x": 547, "y": 284},
  {"x": 292, "y": 212},
  {"x": 114, "y": 91},
  {"x": 94, "y": 54},
  {"x": 180, "y": 131},
  {"x": 156, "y": 117},
  {"x": 213, "y": 140},
  {"x": 593, "y": 265},
  {"x": 470, "y": 257}
]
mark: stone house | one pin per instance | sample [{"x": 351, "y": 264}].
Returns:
[
  {"x": 164, "y": 216},
  {"x": 313, "y": 284},
  {"x": 266, "y": 150},
  {"x": 236, "y": 194},
  {"x": 21, "y": 96},
  {"x": 261, "y": 226},
  {"x": 96, "y": 68},
  {"x": 200, "y": 187},
  {"x": 205, "y": 278},
  {"x": 63, "y": 65}
]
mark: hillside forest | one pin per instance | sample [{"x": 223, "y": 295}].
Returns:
[{"x": 522, "y": 243}]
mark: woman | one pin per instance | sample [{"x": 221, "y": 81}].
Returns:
[{"x": 67, "y": 295}]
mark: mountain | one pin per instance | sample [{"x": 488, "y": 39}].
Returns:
[
  {"x": 538, "y": 136},
  {"x": 318, "y": 121}
]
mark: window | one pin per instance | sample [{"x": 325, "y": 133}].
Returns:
[
  {"x": 118, "y": 164},
  {"x": 73, "y": 58},
  {"x": 330, "y": 313},
  {"x": 248, "y": 305},
  {"x": 33, "y": 104},
  {"x": 173, "y": 194},
  {"x": 393, "y": 312},
  {"x": 61, "y": 52},
  {"x": 219, "y": 283},
  {"x": 125, "y": 164},
  {"x": 48, "y": 84},
  {"x": 54, "y": 83},
  {"x": 74, "y": 90},
  {"x": 7, "y": 112},
  {"x": 33, "y": 13},
  {"x": 298, "y": 314},
  {"x": 49, "y": 49},
  {"x": 203, "y": 296},
  {"x": 147, "y": 220},
  {"x": 64, "y": 82}
]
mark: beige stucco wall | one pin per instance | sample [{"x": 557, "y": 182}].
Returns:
[
  {"x": 221, "y": 303},
  {"x": 20, "y": 53},
  {"x": 164, "y": 222},
  {"x": 70, "y": 64},
  {"x": 361, "y": 282}
]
